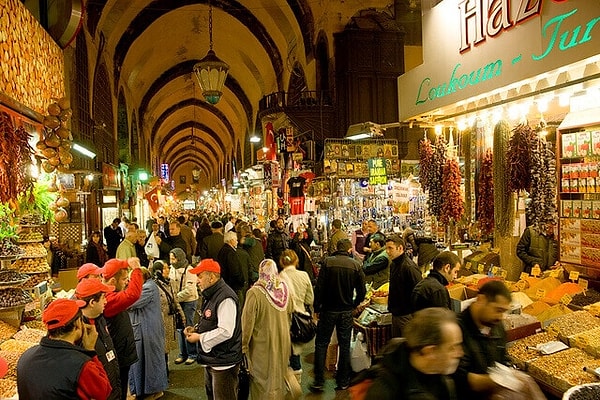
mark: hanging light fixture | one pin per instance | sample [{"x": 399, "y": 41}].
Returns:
[{"x": 211, "y": 71}]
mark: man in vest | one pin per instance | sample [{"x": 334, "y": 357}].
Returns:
[
  {"x": 538, "y": 248},
  {"x": 59, "y": 368},
  {"x": 218, "y": 332}
]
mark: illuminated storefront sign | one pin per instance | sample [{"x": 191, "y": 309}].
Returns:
[{"x": 377, "y": 171}]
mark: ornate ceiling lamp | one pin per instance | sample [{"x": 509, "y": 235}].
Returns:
[{"x": 211, "y": 71}]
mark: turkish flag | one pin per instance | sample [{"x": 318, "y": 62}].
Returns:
[
  {"x": 152, "y": 197},
  {"x": 270, "y": 142}
]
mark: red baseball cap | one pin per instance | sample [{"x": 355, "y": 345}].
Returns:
[
  {"x": 112, "y": 266},
  {"x": 90, "y": 287},
  {"x": 208, "y": 264},
  {"x": 3, "y": 367},
  {"x": 88, "y": 269},
  {"x": 60, "y": 312}
]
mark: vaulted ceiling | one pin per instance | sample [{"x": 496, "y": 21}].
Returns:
[{"x": 150, "y": 47}]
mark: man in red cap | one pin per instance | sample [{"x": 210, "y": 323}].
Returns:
[
  {"x": 59, "y": 368},
  {"x": 218, "y": 332},
  {"x": 88, "y": 270},
  {"x": 127, "y": 290},
  {"x": 93, "y": 292}
]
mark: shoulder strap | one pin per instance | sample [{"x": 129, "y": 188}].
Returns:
[
  {"x": 305, "y": 251},
  {"x": 182, "y": 276},
  {"x": 164, "y": 289}
]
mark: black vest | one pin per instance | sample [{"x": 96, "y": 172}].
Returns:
[
  {"x": 104, "y": 344},
  {"x": 230, "y": 351},
  {"x": 121, "y": 333},
  {"x": 51, "y": 370}
]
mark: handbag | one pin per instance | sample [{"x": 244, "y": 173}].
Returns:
[
  {"x": 244, "y": 380},
  {"x": 303, "y": 327},
  {"x": 314, "y": 266}
]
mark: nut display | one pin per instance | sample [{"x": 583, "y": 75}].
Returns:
[
  {"x": 8, "y": 388},
  {"x": 27, "y": 265},
  {"x": 586, "y": 392},
  {"x": 11, "y": 277},
  {"x": 6, "y": 331},
  {"x": 31, "y": 236},
  {"x": 35, "y": 324},
  {"x": 564, "y": 369},
  {"x": 11, "y": 357},
  {"x": 30, "y": 335},
  {"x": 36, "y": 278},
  {"x": 13, "y": 297},
  {"x": 18, "y": 346},
  {"x": 34, "y": 250},
  {"x": 573, "y": 323},
  {"x": 521, "y": 351}
]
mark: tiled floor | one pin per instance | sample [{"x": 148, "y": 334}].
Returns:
[{"x": 187, "y": 382}]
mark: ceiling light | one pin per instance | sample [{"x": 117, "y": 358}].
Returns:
[
  {"x": 86, "y": 152},
  {"x": 211, "y": 71},
  {"x": 254, "y": 139}
]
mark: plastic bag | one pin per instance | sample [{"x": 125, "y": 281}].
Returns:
[
  {"x": 359, "y": 356},
  {"x": 151, "y": 247}
]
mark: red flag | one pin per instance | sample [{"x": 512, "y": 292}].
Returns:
[{"x": 152, "y": 197}]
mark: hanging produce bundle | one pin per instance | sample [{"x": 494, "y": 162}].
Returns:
[
  {"x": 55, "y": 145},
  {"x": 485, "y": 195},
  {"x": 425, "y": 162},
  {"x": 436, "y": 193},
  {"x": 15, "y": 158},
  {"x": 466, "y": 151},
  {"x": 503, "y": 198},
  {"x": 519, "y": 158},
  {"x": 542, "y": 208},
  {"x": 452, "y": 204}
]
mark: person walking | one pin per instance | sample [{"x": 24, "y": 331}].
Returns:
[
  {"x": 231, "y": 265},
  {"x": 337, "y": 234},
  {"x": 218, "y": 333},
  {"x": 212, "y": 244},
  {"x": 277, "y": 241},
  {"x": 148, "y": 376},
  {"x": 266, "y": 333},
  {"x": 340, "y": 289}
]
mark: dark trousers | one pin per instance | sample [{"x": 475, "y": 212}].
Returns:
[
  {"x": 221, "y": 384},
  {"x": 342, "y": 321},
  {"x": 124, "y": 375}
]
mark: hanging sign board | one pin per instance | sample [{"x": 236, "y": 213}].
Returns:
[{"x": 377, "y": 171}]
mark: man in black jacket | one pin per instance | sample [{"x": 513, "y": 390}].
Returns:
[
  {"x": 113, "y": 235},
  {"x": 277, "y": 241},
  {"x": 231, "y": 265},
  {"x": 173, "y": 241},
  {"x": 404, "y": 276},
  {"x": 431, "y": 291},
  {"x": 339, "y": 278}
]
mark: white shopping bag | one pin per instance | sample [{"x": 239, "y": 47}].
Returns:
[
  {"x": 151, "y": 247},
  {"x": 359, "y": 356}
]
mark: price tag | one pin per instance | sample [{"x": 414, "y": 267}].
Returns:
[
  {"x": 503, "y": 274},
  {"x": 573, "y": 275},
  {"x": 583, "y": 283},
  {"x": 495, "y": 270},
  {"x": 540, "y": 294},
  {"x": 566, "y": 299},
  {"x": 480, "y": 268},
  {"x": 521, "y": 285},
  {"x": 536, "y": 271},
  {"x": 468, "y": 265},
  {"x": 523, "y": 276}
]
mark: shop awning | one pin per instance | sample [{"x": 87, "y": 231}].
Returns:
[{"x": 578, "y": 119}]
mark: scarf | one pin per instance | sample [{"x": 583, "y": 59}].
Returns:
[{"x": 276, "y": 290}]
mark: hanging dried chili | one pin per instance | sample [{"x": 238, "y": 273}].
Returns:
[
  {"x": 519, "y": 158},
  {"x": 452, "y": 203},
  {"x": 436, "y": 193},
  {"x": 485, "y": 195},
  {"x": 15, "y": 156},
  {"x": 425, "y": 161}
]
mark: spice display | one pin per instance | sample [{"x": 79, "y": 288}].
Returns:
[
  {"x": 425, "y": 162},
  {"x": 503, "y": 199},
  {"x": 34, "y": 250},
  {"x": 485, "y": 195},
  {"x": 536, "y": 308},
  {"x": 8, "y": 388},
  {"x": 542, "y": 208},
  {"x": 590, "y": 296},
  {"x": 554, "y": 312},
  {"x": 585, "y": 392},
  {"x": 452, "y": 203},
  {"x": 519, "y": 158},
  {"x": 14, "y": 297},
  {"x": 29, "y": 265},
  {"x": 573, "y": 323},
  {"x": 11, "y": 358},
  {"x": 16, "y": 345},
  {"x": 6, "y": 331},
  {"x": 30, "y": 335},
  {"x": 546, "y": 284},
  {"x": 554, "y": 296},
  {"x": 15, "y": 158}
]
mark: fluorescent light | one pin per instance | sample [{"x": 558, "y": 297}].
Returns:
[
  {"x": 254, "y": 139},
  {"x": 358, "y": 136},
  {"x": 79, "y": 148}
]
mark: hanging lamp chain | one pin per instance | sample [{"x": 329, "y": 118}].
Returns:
[{"x": 210, "y": 24}]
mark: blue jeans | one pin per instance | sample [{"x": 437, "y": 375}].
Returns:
[
  {"x": 342, "y": 321},
  {"x": 187, "y": 349},
  {"x": 221, "y": 384}
]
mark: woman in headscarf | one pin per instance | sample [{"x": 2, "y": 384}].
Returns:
[
  {"x": 168, "y": 305},
  {"x": 186, "y": 293},
  {"x": 266, "y": 333},
  {"x": 148, "y": 375},
  {"x": 302, "y": 298}
]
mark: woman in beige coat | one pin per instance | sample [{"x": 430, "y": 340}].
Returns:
[
  {"x": 266, "y": 333},
  {"x": 302, "y": 298}
]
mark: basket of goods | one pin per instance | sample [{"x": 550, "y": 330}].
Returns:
[
  {"x": 13, "y": 298},
  {"x": 12, "y": 278},
  {"x": 588, "y": 391}
]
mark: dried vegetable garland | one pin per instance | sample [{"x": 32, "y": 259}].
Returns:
[
  {"x": 15, "y": 155},
  {"x": 519, "y": 158},
  {"x": 466, "y": 145},
  {"x": 542, "y": 208},
  {"x": 452, "y": 204},
  {"x": 436, "y": 193},
  {"x": 485, "y": 194},
  {"x": 425, "y": 162},
  {"x": 503, "y": 198}
]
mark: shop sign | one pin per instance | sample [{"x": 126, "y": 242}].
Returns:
[
  {"x": 377, "y": 171},
  {"x": 164, "y": 172},
  {"x": 479, "y": 46}
]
